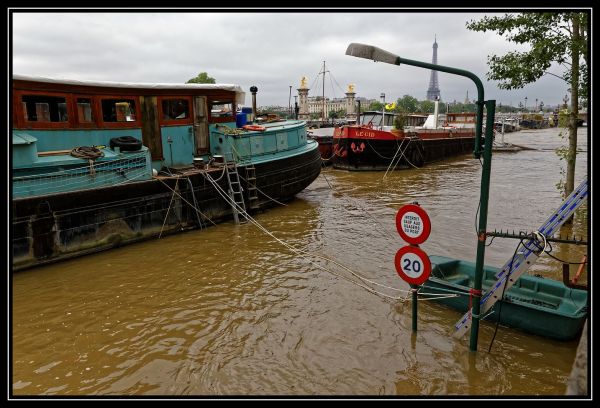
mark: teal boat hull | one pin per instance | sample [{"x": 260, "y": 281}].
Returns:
[{"x": 535, "y": 305}]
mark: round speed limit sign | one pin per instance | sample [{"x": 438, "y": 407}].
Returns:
[{"x": 412, "y": 264}]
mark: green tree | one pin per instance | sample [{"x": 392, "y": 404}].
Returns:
[
  {"x": 554, "y": 38},
  {"x": 427, "y": 106},
  {"x": 337, "y": 114},
  {"x": 202, "y": 78},
  {"x": 407, "y": 104},
  {"x": 375, "y": 106}
]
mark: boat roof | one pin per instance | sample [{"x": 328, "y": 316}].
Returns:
[{"x": 240, "y": 95}]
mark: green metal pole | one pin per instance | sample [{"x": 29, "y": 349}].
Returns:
[
  {"x": 483, "y": 212},
  {"x": 414, "y": 307}
]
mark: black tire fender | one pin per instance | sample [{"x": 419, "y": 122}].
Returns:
[{"x": 125, "y": 143}]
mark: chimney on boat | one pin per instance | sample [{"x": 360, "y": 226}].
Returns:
[
  {"x": 435, "y": 112},
  {"x": 254, "y": 90}
]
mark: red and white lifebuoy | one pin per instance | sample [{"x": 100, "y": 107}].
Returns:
[{"x": 256, "y": 128}]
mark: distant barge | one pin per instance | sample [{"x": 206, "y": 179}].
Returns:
[{"x": 376, "y": 144}]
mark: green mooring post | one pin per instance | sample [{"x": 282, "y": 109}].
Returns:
[
  {"x": 414, "y": 307},
  {"x": 377, "y": 54}
]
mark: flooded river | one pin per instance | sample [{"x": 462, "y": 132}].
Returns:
[{"x": 230, "y": 311}]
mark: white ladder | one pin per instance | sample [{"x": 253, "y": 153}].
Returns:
[
  {"x": 525, "y": 257},
  {"x": 236, "y": 195}
]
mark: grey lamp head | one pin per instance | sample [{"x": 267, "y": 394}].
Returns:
[{"x": 373, "y": 53}]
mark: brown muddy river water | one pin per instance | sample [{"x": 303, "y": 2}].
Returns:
[{"x": 230, "y": 311}]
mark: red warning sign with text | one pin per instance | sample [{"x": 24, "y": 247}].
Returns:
[{"x": 413, "y": 224}]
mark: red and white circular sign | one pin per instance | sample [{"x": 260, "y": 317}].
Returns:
[
  {"x": 412, "y": 264},
  {"x": 413, "y": 224}
]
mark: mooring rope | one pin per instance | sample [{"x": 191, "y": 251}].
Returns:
[
  {"x": 89, "y": 153},
  {"x": 302, "y": 253},
  {"x": 186, "y": 201},
  {"x": 168, "y": 209},
  {"x": 400, "y": 158},
  {"x": 381, "y": 228}
]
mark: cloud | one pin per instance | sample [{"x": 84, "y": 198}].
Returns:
[{"x": 271, "y": 50}]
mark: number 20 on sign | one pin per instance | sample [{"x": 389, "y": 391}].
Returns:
[{"x": 413, "y": 265}]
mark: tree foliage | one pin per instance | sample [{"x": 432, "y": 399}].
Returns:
[
  {"x": 202, "y": 78},
  {"x": 550, "y": 37},
  {"x": 375, "y": 106},
  {"x": 407, "y": 104},
  {"x": 553, "y": 38},
  {"x": 427, "y": 106}
]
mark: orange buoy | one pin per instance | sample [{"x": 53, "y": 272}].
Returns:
[{"x": 257, "y": 128}]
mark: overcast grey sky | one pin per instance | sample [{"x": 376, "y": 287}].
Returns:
[{"x": 271, "y": 50}]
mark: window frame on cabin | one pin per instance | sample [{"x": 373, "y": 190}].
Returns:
[
  {"x": 23, "y": 120},
  {"x": 221, "y": 119},
  {"x": 136, "y": 123},
  {"x": 94, "y": 111},
  {"x": 189, "y": 120}
]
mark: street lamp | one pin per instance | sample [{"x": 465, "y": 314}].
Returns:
[
  {"x": 377, "y": 54},
  {"x": 290, "y": 102}
]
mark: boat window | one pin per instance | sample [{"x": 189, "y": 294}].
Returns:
[
  {"x": 174, "y": 109},
  {"x": 84, "y": 110},
  {"x": 118, "y": 110},
  {"x": 371, "y": 118},
  {"x": 221, "y": 109},
  {"x": 42, "y": 108}
]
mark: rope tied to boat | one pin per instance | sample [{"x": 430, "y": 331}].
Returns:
[
  {"x": 89, "y": 153},
  {"x": 229, "y": 131}
]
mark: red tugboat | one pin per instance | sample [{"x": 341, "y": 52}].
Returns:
[{"x": 375, "y": 144}]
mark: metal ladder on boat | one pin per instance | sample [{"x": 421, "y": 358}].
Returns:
[
  {"x": 251, "y": 186},
  {"x": 525, "y": 257},
  {"x": 236, "y": 195}
]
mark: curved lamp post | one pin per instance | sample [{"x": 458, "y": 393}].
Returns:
[{"x": 377, "y": 54}]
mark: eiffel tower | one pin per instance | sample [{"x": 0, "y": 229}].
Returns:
[{"x": 433, "y": 92}]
